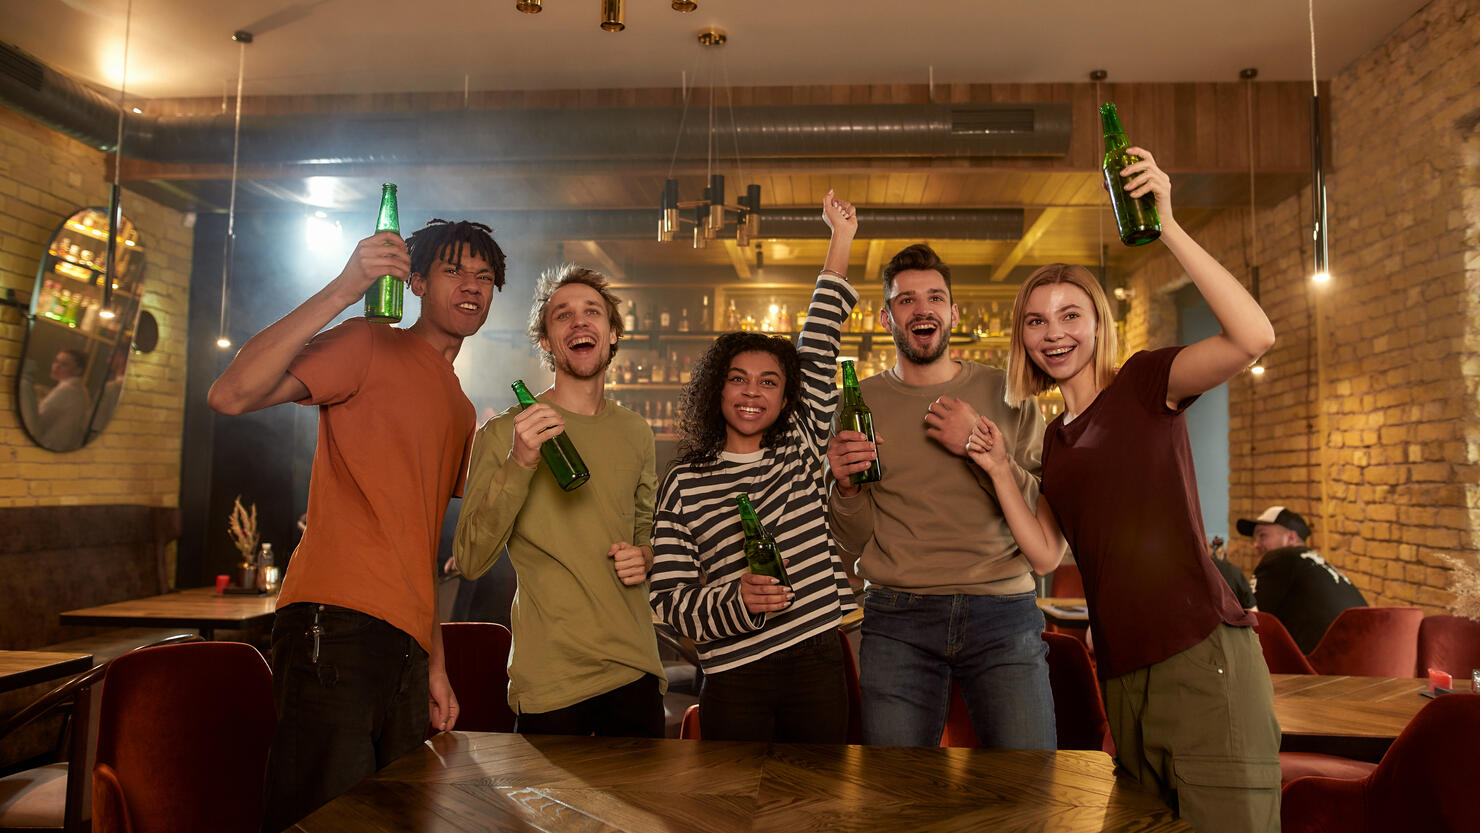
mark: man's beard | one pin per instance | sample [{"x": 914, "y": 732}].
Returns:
[
  {"x": 563, "y": 365},
  {"x": 907, "y": 349}
]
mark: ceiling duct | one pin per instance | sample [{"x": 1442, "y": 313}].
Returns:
[
  {"x": 492, "y": 136},
  {"x": 788, "y": 223}
]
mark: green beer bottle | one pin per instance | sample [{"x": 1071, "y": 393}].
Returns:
[
  {"x": 383, "y": 298},
  {"x": 559, "y": 452},
  {"x": 761, "y": 554},
  {"x": 855, "y": 416},
  {"x": 1135, "y": 217}
]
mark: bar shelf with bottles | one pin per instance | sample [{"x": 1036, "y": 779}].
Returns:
[
  {"x": 71, "y": 292},
  {"x": 667, "y": 329}
]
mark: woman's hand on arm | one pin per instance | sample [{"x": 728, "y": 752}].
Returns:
[{"x": 1036, "y": 530}]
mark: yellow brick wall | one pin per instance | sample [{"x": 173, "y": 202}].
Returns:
[
  {"x": 1368, "y": 421},
  {"x": 44, "y": 177}
]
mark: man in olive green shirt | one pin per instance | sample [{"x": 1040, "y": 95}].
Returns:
[{"x": 584, "y": 658}]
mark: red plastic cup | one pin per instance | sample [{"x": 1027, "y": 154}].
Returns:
[{"x": 221, "y": 582}]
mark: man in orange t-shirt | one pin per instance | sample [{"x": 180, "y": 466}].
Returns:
[{"x": 356, "y": 648}]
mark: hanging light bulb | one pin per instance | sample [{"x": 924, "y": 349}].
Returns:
[
  {"x": 701, "y": 215},
  {"x": 1321, "y": 274},
  {"x": 753, "y": 212},
  {"x": 668, "y": 215},
  {"x": 228, "y": 244},
  {"x": 715, "y": 194},
  {"x": 613, "y": 15},
  {"x": 1257, "y": 369},
  {"x": 529, "y": 6},
  {"x": 684, "y": 5}
]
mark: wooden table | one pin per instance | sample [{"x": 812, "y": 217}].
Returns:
[
  {"x": 1064, "y": 610},
  {"x": 200, "y": 608},
  {"x": 1357, "y": 717},
  {"x": 19, "y": 669},
  {"x": 461, "y": 781}
]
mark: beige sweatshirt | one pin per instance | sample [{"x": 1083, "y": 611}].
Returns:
[{"x": 932, "y": 524}]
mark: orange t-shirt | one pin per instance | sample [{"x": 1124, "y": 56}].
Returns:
[{"x": 395, "y": 430}]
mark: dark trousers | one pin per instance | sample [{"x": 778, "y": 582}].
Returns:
[
  {"x": 796, "y": 695},
  {"x": 344, "y": 713},
  {"x": 634, "y": 710}
]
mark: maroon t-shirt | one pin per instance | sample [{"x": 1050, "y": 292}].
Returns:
[{"x": 1120, "y": 481}]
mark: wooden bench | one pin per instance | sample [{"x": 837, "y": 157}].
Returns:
[{"x": 57, "y": 558}]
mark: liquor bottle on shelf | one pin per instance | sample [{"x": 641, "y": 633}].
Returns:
[
  {"x": 644, "y": 373},
  {"x": 706, "y": 318},
  {"x": 870, "y": 318},
  {"x": 629, "y": 374},
  {"x": 665, "y": 320},
  {"x": 748, "y": 323},
  {"x": 799, "y": 320},
  {"x": 559, "y": 452},
  {"x": 659, "y": 372},
  {"x": 385, "y": 298},
  {"x": 768, "y": 318},
  {"x": 669, "y": 424},
  {"x": 683, "y": 321},
  {"x": 688, "y": 371},
  {"x": 44, "y": 298},
  {"x": 732, "y": 318},
  {"x": 1135, "y": 217},
  {"x": 647, "y": 320},
  {"x": 629, "y": 318},
  {"x": 761, "y": 555},
  {"x": 783, "y": 321}
]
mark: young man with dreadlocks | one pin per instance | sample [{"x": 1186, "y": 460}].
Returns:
[
  {"x": 356, "y": 649},
  {"x": 585, "y": 659},
  {"x": 756, "y": 420}
]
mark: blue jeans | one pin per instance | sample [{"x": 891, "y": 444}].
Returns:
[{"x": 913, "y": 645}]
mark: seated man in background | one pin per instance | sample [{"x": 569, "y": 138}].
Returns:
[
  {"x": 1292, "y": 581},
  {"x": 1232, "y": 575}
]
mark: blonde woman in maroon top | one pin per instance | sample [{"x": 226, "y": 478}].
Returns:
[{"x": 1186, "y": 689}]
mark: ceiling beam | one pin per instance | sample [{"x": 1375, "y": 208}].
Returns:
[
  {"x": 738, "y": 257},
  {"x": 1036, "y": 228},
  {"x": 603, "y": 260}
]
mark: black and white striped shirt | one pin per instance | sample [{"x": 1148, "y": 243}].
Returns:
[{"x": 699, "y": 547}]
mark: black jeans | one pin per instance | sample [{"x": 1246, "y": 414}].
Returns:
[
  {"x": 634, "y": 710},
  {"x": 343, "y": 713},
  {"x": 796, "y": 695}
]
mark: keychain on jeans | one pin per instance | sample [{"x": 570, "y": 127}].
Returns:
[{"x": 315, "y": 631}]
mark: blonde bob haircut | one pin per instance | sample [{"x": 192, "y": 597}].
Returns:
[{"x": 1026, "y": 379}]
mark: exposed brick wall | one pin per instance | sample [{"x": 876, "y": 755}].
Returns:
[
  {"x": 1386, "y": 358},
  {"x": 44, "y": 177}
]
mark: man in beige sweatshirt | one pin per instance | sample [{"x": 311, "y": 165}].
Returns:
[{"x": 949, "y": 596}]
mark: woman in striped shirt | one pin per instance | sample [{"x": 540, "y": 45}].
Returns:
[{"x": 757, "y": 415}]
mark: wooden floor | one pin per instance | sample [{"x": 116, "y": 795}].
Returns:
[{"x": 481, "y": 782}]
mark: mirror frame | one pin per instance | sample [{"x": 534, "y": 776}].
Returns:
[{"x": 65, "y": 314}]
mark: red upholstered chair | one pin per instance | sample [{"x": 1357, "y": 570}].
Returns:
[
  {"x": 1301, "y": 764},
  {"x": 1281, "y": 653},
  {"x": 1448, "y": 643},
  {"x": 1370, "y": 642},
  {"x": 182, "y": 740},
  {"x": 1078, "y": 709},
  {"x": 959, "y": 731},
  {"x": 59, "y": 796},
  {"x": 1066, "y": 582},
  {"x": 1077, "y": 706},
  {"x": 1420, "y": 784},
  {"x": 855, "y": 694},
  {"x": 477, "y": 658},
  {"x": 689, "y": 729}
]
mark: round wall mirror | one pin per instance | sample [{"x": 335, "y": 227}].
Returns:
[{"x": 76, "y": 353}]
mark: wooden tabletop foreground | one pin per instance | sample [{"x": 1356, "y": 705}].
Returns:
[{"x": 461, "y": 781}]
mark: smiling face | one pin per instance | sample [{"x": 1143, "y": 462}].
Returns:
[
  {"x": 578, "y": 332},
  {"x": 64, "y": 366},
  {"x": 920, "y": 316},
  {"x": 1059, "y": 330},
  {"x": 752, "y": 399},
  {"x": 455, "y": 294}
]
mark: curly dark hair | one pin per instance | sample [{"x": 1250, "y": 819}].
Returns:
[
  {"x": 446, "y": 240},
  {"x": 702, "y": 430}
]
